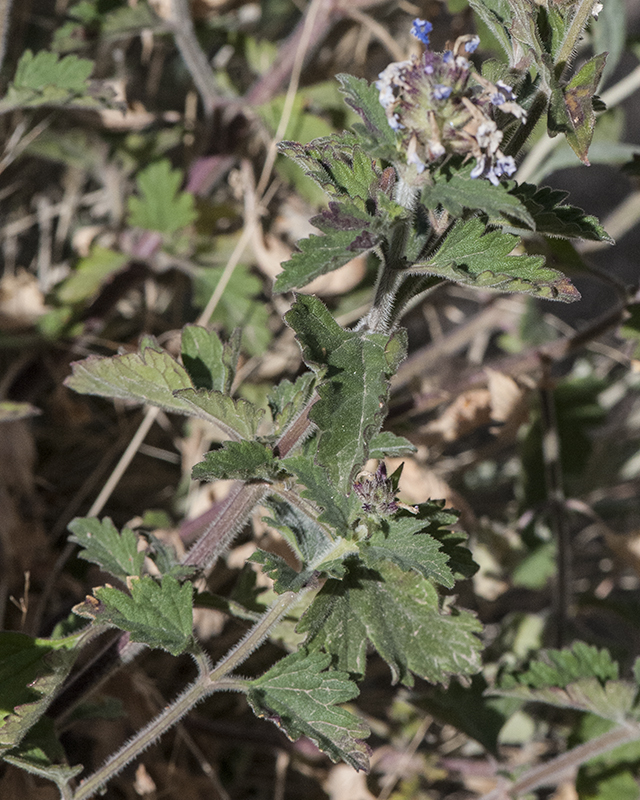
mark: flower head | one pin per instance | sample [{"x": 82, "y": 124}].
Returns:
[
  {"x": 440, "y": 105},
  {"x": 377, "y": 492}
]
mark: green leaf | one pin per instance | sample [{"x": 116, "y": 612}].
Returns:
[
  {"x": 476, "y": 257},
  {"x": 302, "y": 699},
  {"x": 285, "y": 578},
  {"x": 47, "y": 79},
  {"x": 319, "y": 489},
  {"x": 115, "y": 553},
  {"x": 571, "y": 108},
  {"x": 161, "y": 206},
  {"x": 242, "y": 460},
  {"x": 364, "y": 99},
  {"x": 456, "y": 191},
  {"x": 287, "y": 400},
  {"x": 10, "y": 411},
  {"x": 405, "y": 541},
  {"x": 388, "y": 445},
  {"x": 580, "y": 677},
  {"x": 354, "y": 368},
  {"x": 156, "y": 614},
  {"x": 399, "y": 613},
  {"x": 552, "y": 218},
  {"x": 202, "y": 353},
  {"x": 308, "y": 540},
  {"x": 31, "y": 672},
  {"x": 321, "y": 254},
  {"x": 239, "y": 419},
  {"x": 90, "y": 274}
]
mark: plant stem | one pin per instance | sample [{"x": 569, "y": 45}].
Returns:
[
  {"x": 578, "y": 24},
  {"x": 206, "y": 683}
]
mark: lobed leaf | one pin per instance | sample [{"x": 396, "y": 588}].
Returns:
[
  {"x": 115, "y": 553},
  {"x": 241, "y": 460},
  {"x": 319, "y": 488},
  {"x": 161, "y": 205},
  {"x": 239, "y": 419},
  {"x": 399, "y": 613},
  {"x": 473, "y": 256},
  {"x": 354, "y": 368},
  {"x": 303, "y": 699},
  {"x": 156, "y": 614}
]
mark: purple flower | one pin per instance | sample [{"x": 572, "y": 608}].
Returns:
[
  {"x": 472, "y": 45},
  {"x": 421, "y": 30},
  {"x": 441, "y": 92}
]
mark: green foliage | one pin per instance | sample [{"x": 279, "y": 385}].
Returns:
[
  {"x": 156, "y": 614},
  {"x": 115, "y": 553},
  {"x": 475, "y": 256},
  {"x": 399, "y": 613},
  {"x": 31, "y": 672},
  {"x": 353, "y": 369},
  {"x": 90, "y": 274},
  {"x": 202, "y": 357},
  {"x": 303, "y": 699},
  {"x": 161, "y": 205},
  {"x": 243, "y": 460}
]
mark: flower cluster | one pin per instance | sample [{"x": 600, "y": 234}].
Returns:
[
  {"x": 440, "y": 105},
  {"x": 377, "y": 492}
]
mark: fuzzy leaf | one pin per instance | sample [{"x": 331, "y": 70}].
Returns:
[
  {"x": 319, "y": 489},
  {"x": 388, "y": 445},
  {"x": 302, "y": 699},
  {"x": 364, "y": 99},
  {"x": 354, "y": 368},
  {"x": 476, "y": 257},
  {"x": 308, "y": 540},
  {"x": 287, "y": 400},
  {"x": 571, "y": 108},
  {"x": 552, "y": 218},
  {"x": 456, "y": 191},
  {"x": 161, "y": 205},
  {"x": 405, "y": 541},
  {"x": 284, "y": 577},
  {"x": 239, "y": 419},
  {"x": 115, "y": 553},
  {"x": 31, "y": 671},
  {"x": 399, "y": 613},
  {"x": 156, "y": 614},
  {"x": 242, "y": 460},
  {"x": 560, "y": 667},
  {"x": 202, "y": 356},
  {"x": 321, "y": 254},
  {"x": 316, "y": 158}
]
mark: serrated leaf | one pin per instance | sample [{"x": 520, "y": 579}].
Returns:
[
  {"x": 405, "y": 541},
  {"x": 319, "y": 255},
  {"x": 287, "y": 400},
  {"x": 388, "y": 445},
  {"x": 161, "y": 205},
  {"x": 354, "y": 368},
  {"x": 456, "y": 191},
  {"x": 284, "y": 577},
  {"x": 31, "y": 671},
  {"x": 302, "y": 699},
  {"x": 560, "y": 667},
  {"x": 320, "y": 490},
  {"x": 239, "y": 419},
  {"x": 316, "y": 157},
  {"x": 116, "y": 553},
  {"x": 90, "y": 274},
  {"x": 552, "y": 218},
  {"x": 156, "y": 614},
  {"x": 47, "y": 79},
  {"x": 308, "y": 540},
  {"x": 475, "y": 256},
  {"x": 202, "y": 356},
  {"x": 571, "y": 109},
  {"x": 364, "y": 99},
  {"x": 399, "y": 613},
  {"x": 241, "y": 460}
]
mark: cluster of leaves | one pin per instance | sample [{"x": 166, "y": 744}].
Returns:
[{"x": 369, "y": 574}]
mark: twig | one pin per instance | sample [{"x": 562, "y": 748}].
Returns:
[{"x": 195, "y": 60}]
